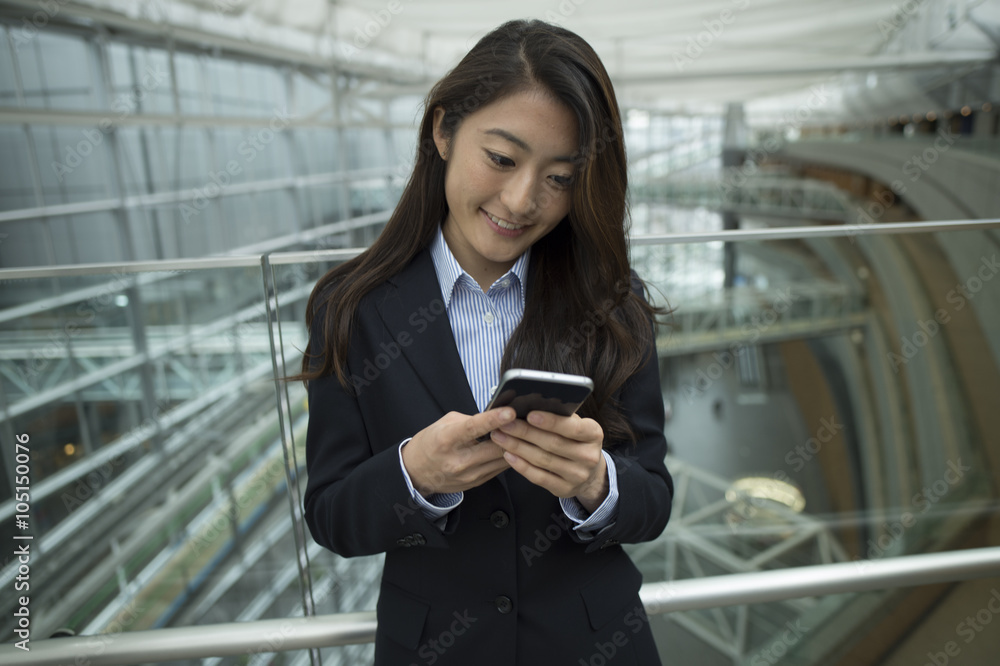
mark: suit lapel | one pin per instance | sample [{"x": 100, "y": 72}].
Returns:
[{"x": 412, "y": 305}]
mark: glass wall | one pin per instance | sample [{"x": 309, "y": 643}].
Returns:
[
  {"x": 130, "y": 150},
  {"x": 830, "y": 397},
  {"x": 835, "y": 406}
]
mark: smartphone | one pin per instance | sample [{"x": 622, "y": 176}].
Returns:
[{"x": 529, "y": 390}]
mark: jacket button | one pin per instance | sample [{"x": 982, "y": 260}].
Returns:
[
  {"x": 499, "y": 519},
  {"x": 504, "y": 604}
]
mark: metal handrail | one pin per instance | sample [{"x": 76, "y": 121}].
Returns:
[
  {"x": 283, "y": 258},
  {"x": 301, "y": 633}
]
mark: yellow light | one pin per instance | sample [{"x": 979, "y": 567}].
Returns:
[
  {"x": 765, "y": 488},
  {"x": 931, "y": 116},
  {"x": 987, "y": 107},
  {"x": 69, "y": 449},
  {"x": 966, "y": 111}
]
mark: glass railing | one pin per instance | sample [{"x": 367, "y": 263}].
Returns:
[{"x": 836, "y": 406}]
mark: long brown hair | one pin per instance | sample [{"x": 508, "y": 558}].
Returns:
[{"x": 581, "y": 315}]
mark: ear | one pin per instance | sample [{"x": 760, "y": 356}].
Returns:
[{"x": 439, "y": 138}]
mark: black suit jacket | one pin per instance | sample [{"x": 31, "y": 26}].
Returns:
[{"x": 507, "y": 581}]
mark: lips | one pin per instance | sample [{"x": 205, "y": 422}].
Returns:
[{"x": 502, "y": 226}]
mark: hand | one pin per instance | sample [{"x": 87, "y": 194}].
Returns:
[
  {"x": 559, "y": 453},
  {"x": 445, "y": 457}
]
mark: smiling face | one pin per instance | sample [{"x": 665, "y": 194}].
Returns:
[{"x": 508, "y": 180}]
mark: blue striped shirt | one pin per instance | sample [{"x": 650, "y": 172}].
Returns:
[{"x": 482, "y": 323}]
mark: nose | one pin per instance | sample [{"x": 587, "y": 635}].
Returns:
[{"x": 520, "y": 195}]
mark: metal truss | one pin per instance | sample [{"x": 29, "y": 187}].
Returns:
[
  {"x": 715, "y": 531},
  {"x": 734, "y": 318}
]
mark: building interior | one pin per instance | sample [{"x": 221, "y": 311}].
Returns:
[{"x": 814, "y": 193}]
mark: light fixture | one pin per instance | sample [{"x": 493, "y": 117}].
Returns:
[
  {"x": 757, "y": 489},
  {"x": 966, "y": 111}
]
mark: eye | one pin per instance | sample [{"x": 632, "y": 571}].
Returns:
[
  {"x": 563, "y": 182},
  {"x": 499, "y": 160}
]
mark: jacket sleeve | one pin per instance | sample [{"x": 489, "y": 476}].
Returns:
[{"x": 356, "y": 500}]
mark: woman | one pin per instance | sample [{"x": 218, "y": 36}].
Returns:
[{"x": 507, "y": 249}]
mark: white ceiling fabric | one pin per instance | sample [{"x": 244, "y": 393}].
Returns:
[{"x": 681, "y": 55}]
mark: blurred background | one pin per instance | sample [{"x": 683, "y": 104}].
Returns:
[{"x": 814, "y": 189}]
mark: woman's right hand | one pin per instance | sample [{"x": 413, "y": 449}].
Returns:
[{"x": 446, "y": 456}]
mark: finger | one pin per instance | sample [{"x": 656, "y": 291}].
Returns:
[
  {"x": 481, "y": 424},
  {"x": 545, "y": 439},
  {"x": 480, "y": 454},
  {"x": 535, "y": 455},
  {"x": 480, "y": 474},
  {"x": 571, "y": 427},
  {"x": 540, "y": 477}
]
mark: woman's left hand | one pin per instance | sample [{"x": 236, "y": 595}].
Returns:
[{"x": 559, "y": 453}]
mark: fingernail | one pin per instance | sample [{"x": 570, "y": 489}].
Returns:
[
  {"x": 498, "y": 436},
  {"x": 535, "y": 418}
]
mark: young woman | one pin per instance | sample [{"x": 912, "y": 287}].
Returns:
[{"x": 508, "y": 249}]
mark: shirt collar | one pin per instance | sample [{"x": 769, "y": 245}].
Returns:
[{"x": 449, "y": 272}]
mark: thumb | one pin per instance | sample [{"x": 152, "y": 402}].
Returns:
[{"x": 479, "y": 427}]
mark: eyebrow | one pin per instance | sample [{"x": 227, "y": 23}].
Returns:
[{"x": 504, "y": 134}]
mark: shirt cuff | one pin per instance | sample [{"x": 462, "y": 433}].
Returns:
[
  {"x": 604, "y": 516},
  {"x": 434, "y": 507}
]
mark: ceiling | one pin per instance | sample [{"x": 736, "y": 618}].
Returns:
[{"x": 868, "y": 58}]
